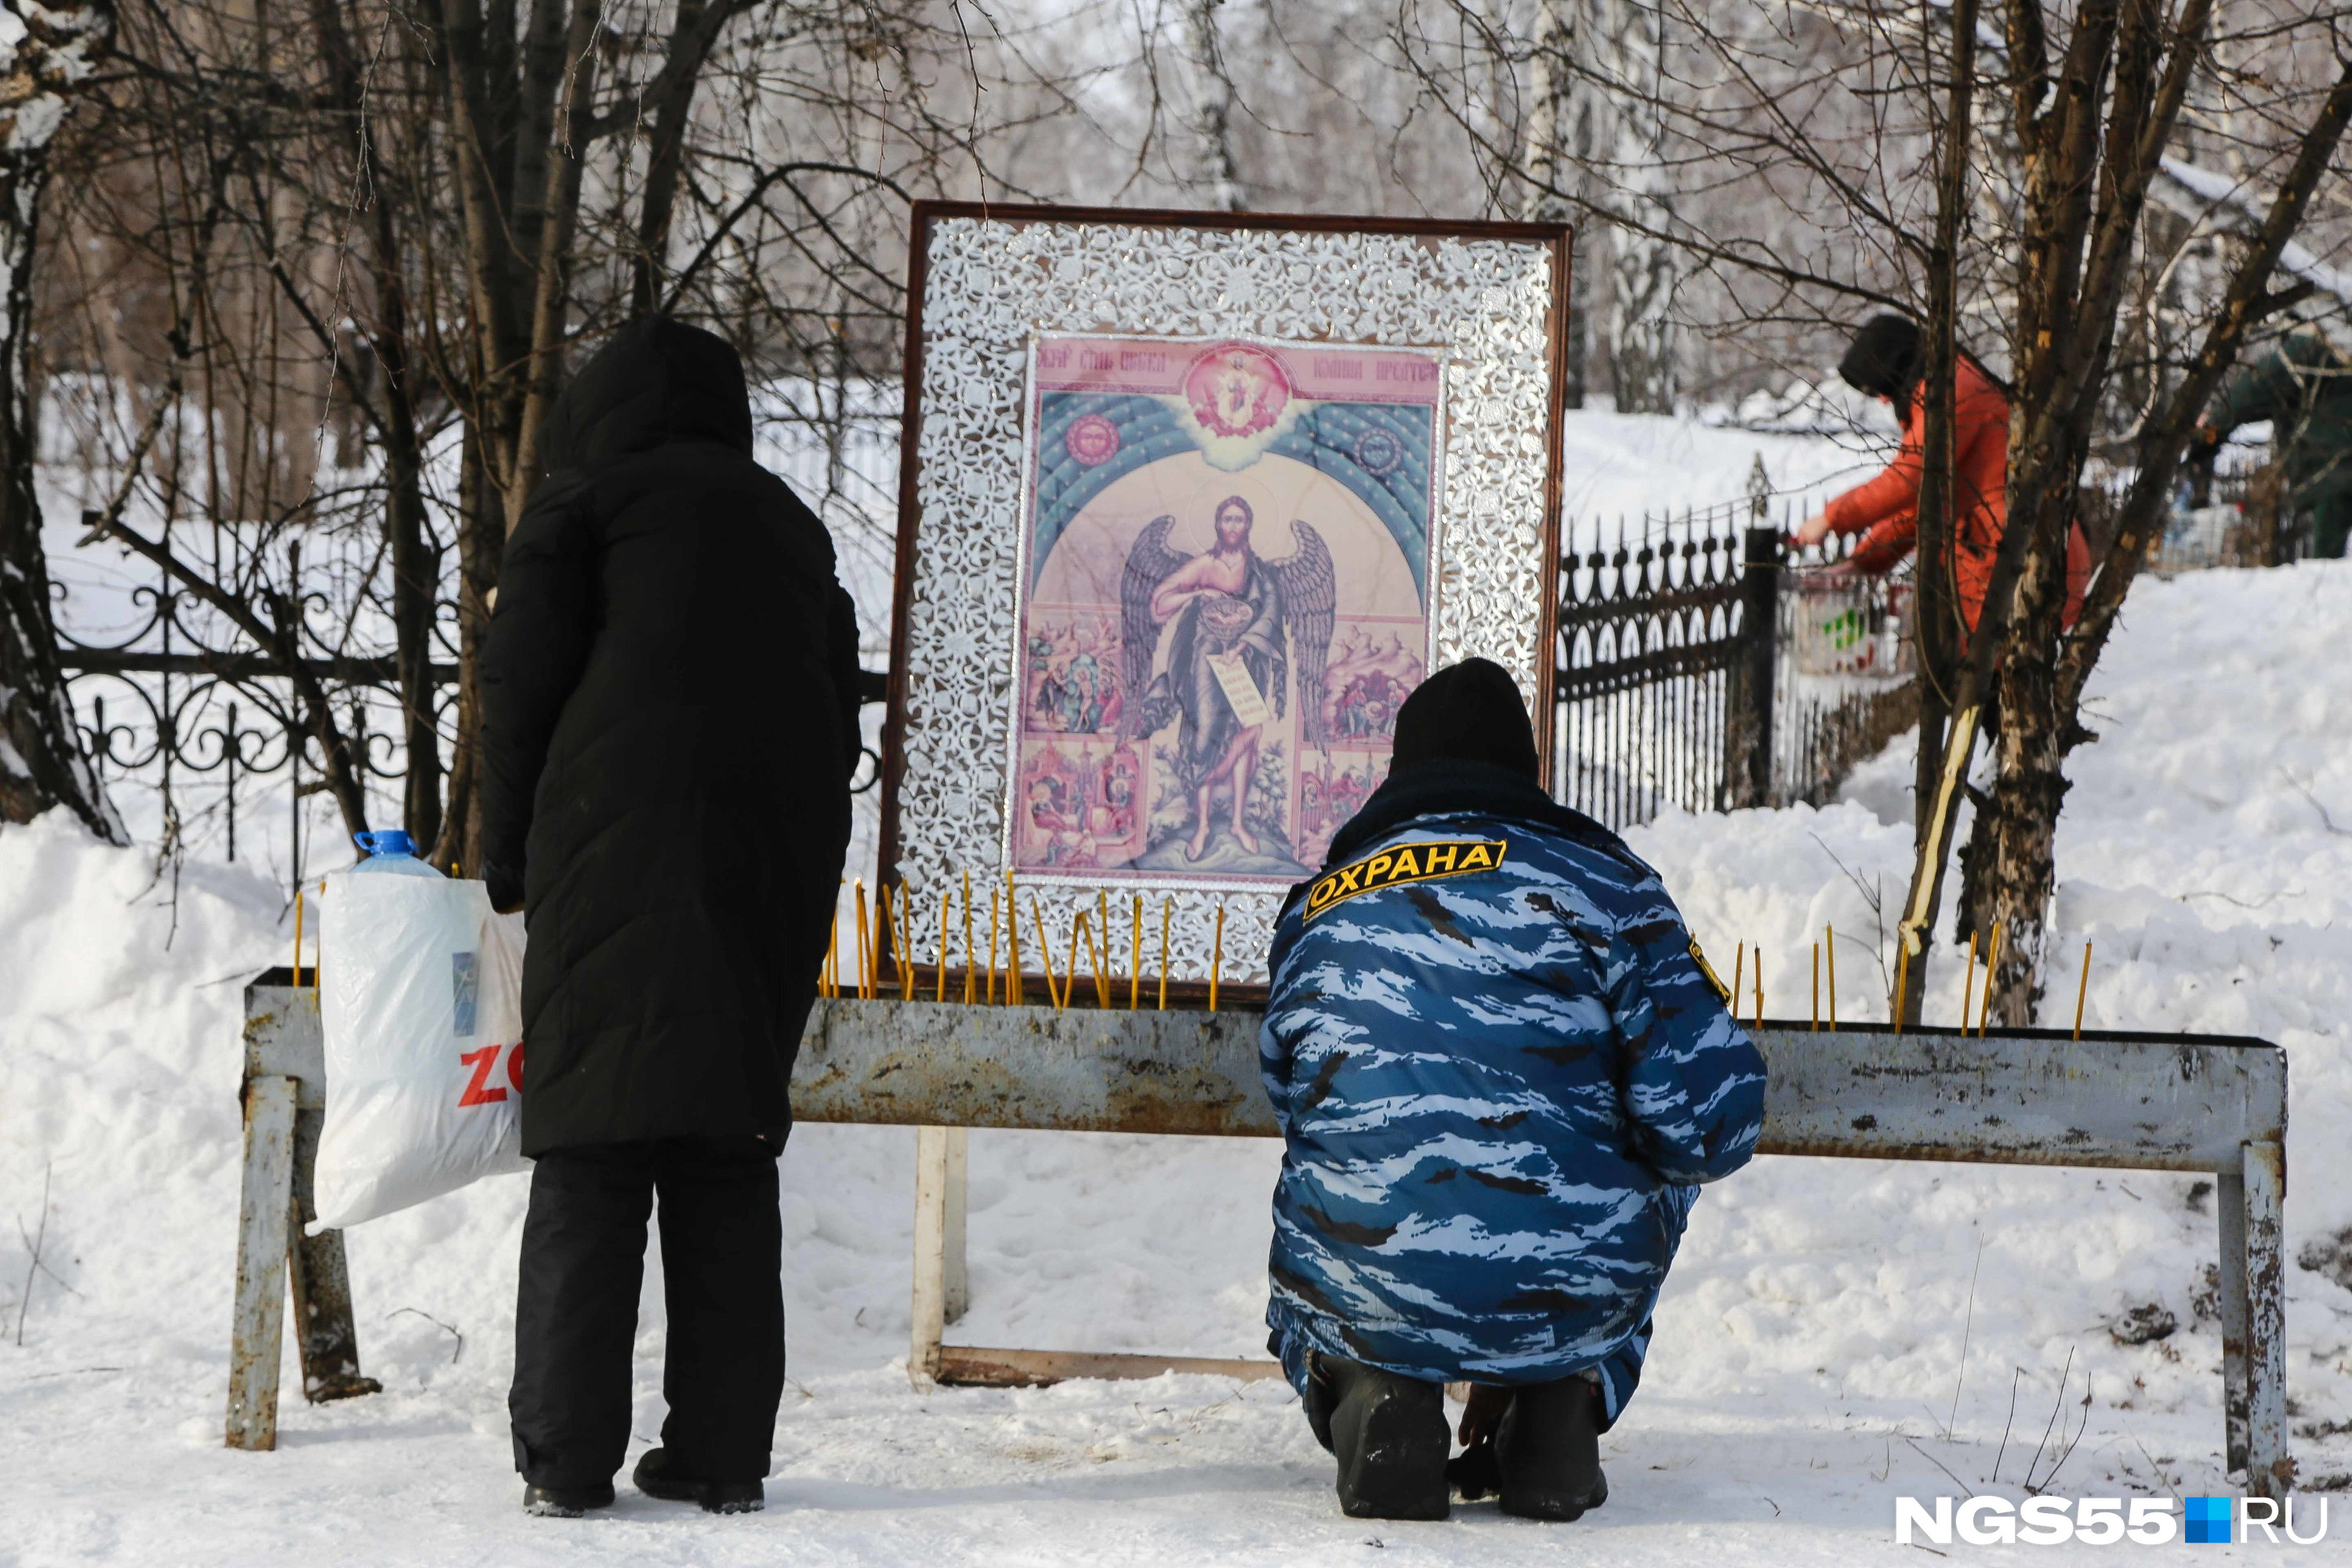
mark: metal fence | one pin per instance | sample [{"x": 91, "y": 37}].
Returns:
[
  {"x": 1702, "y": 665},
  {"x": 200, "y": 737}
]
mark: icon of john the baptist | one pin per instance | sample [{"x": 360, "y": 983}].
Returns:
[{"x": 1227, "y": 601}]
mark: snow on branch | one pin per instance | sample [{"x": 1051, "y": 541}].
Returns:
[{"x": 2237, "y": 207}]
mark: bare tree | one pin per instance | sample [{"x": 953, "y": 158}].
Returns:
[
  {"x": 49, "y": 68},
  {"x": 2095, "y": 122},
  {"x": 1213, "y": 167},
  {"x": 1628, "y": 43}
]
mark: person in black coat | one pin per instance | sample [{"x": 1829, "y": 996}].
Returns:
[{"x": 669, "y": 694}]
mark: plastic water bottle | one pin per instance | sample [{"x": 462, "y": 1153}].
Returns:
[{"x": 391, "y": 852}]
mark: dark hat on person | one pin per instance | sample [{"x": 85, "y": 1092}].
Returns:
[
  {"x": 1467, "y": 712},
  {"x": 1883, "y": 358}
]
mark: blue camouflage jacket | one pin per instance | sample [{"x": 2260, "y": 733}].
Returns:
[{"x": 1501, "y": 1070}]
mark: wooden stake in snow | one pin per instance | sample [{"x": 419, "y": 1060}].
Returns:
[
  {"x": 298, "y": 938},
  {"x": 1165, "y": 904},
  {"x": 1968, "y": 987},
  {"x": 1760, "y": 987},
  {"x": 1902, "y": 981}
]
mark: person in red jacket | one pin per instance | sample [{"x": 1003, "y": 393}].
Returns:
[{"x": 1886, "y": 361}]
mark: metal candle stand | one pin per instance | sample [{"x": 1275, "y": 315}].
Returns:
[{"x": 2124, "y": 1102}]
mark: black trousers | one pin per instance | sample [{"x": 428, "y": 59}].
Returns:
[{"x": 583, "y": 1245}]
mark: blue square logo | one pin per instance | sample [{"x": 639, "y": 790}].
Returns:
[{"x": 2206, "y": 1520}]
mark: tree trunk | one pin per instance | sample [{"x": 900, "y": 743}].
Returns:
[
  {"x": 41, "y": 759},
  {"x": 1644, "y": 269},
  {"x": 1936, "y": 616},
  {"x": 415, "y": 559},
  {"x": 551, "y": 304},
  {"x": 1214, "y": 168},
  {"x": 1556, "y": 149},
  {"x": 2091, "y": 138},
  {"x": 2042, "y": 680},
  {"x": 481, "y": 546}
]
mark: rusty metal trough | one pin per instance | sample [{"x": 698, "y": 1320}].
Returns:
[{"x": 2163, "y": 1102}]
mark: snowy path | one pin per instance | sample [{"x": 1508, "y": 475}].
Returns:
[{"x": 1810, "y": 1351}]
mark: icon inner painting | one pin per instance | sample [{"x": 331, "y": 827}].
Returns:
[{"x": 1226, "y": 582}]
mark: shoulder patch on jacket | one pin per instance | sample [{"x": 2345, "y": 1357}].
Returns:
[
  {"x": 1721, "y": 990},
  {"x": 1403, "y": 863}
]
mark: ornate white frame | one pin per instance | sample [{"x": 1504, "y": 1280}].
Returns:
[{"x": 984, "y": 283}]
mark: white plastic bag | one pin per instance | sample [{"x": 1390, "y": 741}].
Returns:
[{"x": 421, "y": 989}]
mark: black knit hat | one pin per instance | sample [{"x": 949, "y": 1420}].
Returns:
[
  {"x": 1884, "y": 357},
  {"x": 1468, "y": 712}
]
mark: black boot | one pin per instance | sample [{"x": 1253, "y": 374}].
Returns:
[
  {"x": 564, "y": 1502},
  {"x": 1389, "y": 1434},
  {"x": 1547, "y": 1449},
  {"x": 654, "y": 1478}
]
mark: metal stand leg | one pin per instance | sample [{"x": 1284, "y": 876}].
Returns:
[
  {"x": 322, "y": 1285},
  {"x": 264, "y": 1205},
  {"x": 958, "y": 1282},
  {"x": 2229, "y": 1204},
  {"x": 938, "y": 1180},
  {"x": 2270, "y": 1468}
]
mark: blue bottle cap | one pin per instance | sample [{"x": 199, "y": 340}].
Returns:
[{"x": 390, "y": 841}]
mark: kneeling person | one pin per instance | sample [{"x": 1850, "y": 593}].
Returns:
[{"x": 1501, "y": 1070}]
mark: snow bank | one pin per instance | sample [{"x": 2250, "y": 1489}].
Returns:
[{"x": 1809, "y": 1364}]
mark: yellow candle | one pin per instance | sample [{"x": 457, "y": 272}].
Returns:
[
  {"x": 968, "y": 980},
  {"x": 1829, "y": 940},
  {"x": 1045, "y": 956},
  {"x": 1012, "y": 947},
  {"x": 1164, "y": 905},
  {"x": 864, "y": 976},
  {"x": 1217, "y": 956}
]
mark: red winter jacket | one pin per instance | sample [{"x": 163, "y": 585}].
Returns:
[{"x": 1887, "y": 507}]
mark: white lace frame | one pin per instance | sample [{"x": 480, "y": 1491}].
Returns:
[{"x": 990, "y": 287}]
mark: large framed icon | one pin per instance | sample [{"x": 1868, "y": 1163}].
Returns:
[{"x": 1189, "y": 503}]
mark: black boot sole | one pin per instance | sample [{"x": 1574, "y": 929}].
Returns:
[
  {"x": 714, "y": 1497},
  {"x": 1551, "y": 1507},
  {"x": 544, "y": 1502}
]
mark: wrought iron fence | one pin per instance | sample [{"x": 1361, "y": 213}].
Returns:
[
  {"x": 201, "y": 737},
  {"x": 1650, "y": 630},
  {"x": 1702, "y": 665}
]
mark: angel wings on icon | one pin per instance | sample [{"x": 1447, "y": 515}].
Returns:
[{"x": 1234, "y": 624}]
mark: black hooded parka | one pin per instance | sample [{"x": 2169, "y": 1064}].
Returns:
[{"x": 669, "y": 692}]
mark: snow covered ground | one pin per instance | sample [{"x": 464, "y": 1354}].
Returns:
[{"x": 1835, "y": 1335}]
